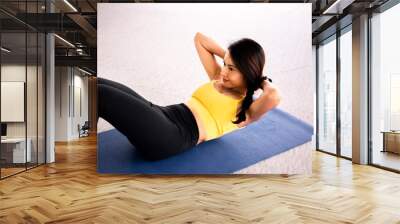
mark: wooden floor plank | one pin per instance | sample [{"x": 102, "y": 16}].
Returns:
[{"x": 70, "y": 191}]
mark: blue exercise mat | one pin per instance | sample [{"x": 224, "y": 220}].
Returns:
[{"x": 275, "y": 132}]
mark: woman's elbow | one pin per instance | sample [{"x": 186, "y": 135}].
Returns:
[
  {"x": 197, "y": 36},
  {"x": 278, "y": 100}
]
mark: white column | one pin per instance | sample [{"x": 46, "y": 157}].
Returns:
[
  {"x": 50, "y": 93},
  {"x": 360, "y": 90}
]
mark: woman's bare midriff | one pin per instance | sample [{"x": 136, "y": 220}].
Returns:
[{"x": 202, "y": 132}]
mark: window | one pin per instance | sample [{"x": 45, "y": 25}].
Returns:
[
  {"x": 385, "y": 88},
  {"x": 22, "y": 99},
  {"x": 327, "y": 95},
  {"x": 346, "y": 92}
]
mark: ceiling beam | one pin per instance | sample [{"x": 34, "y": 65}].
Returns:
[{"x": 81, "y": 61}]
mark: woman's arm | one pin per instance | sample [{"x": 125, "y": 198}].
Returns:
[
  {"x": 206, "y": 49},
  {"x": 269, "y": 99}
]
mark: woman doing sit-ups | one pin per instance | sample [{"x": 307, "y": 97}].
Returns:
[{"x": 222, "y": 105}]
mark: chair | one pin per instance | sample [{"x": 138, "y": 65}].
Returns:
[{"x": 84, "y": 130}]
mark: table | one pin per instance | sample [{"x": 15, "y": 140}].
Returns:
[
  {"x": 17, "y": 150},
  {"x": 391, "y": 141}
]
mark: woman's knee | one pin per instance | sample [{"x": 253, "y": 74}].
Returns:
[
  {"x": 104, "y": 93},
  {"x": 101, "y": 80}
]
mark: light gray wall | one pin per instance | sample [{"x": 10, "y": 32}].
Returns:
[{"x": 149, "y": 47}]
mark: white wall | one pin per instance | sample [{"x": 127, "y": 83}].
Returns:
[
  {"x": 61, "y": 103},
  {"x": 149, "y": 47},
  {"x": 15, "y": 72},
  {"x": 68, "y": 79},
  {"x": 80, "y": 82}
]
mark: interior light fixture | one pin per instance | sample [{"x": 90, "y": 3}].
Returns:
[
  {"x": 70, "y": 5},
  {"x": 84, "y": 71},
  {"x": 337, "y": 7},
  {"x": 5, "y": 50},
  {"x": 64, "y": 40}
]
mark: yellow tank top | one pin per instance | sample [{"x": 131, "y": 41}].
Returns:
[{"x": 216, "y": 110}]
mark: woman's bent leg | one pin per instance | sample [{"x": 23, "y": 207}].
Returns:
[
  {"x": 123, "y": 88},
  {"x": 144, "y": 124},
  {"x": 120, "y": 86}
]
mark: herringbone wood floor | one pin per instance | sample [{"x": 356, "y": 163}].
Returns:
[{"x": 70, "y": 191}]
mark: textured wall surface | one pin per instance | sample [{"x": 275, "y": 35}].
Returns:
[{"x": 149, "y": 47}]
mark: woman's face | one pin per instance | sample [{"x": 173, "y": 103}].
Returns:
[{"x": 230, "y": 76}]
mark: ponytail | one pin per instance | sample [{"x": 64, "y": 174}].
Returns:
[{"x": 248, "y": 99}]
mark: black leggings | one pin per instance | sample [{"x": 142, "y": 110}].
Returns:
[{"x": 157, "y": 132}]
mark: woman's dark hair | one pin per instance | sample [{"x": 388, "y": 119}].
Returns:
[{"x": 249, "y": 58}]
